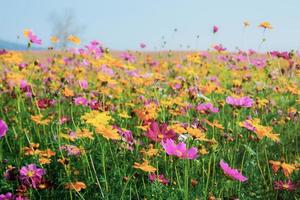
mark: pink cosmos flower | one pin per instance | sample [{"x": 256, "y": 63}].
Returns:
[
  {"x": 219, "y": 48},
  {"x": 251, "y": 52},
  {"x": 285, "y": 185},
  {"x": 33, "y": 38},
  {"x": 285, "y": 55},
  {"x": 158, "y": 132},
  {"x": 215, "y": 29},
  {"x": 142, "y": 45},
  {"x": 94, "y": 48},
  {"x": 160, "y": 178},
  {"x": 31, "y": 175},
  {"x": 207, "y": 108},
  {"x": 7, "y": 196},
  {"x": 179, "y": 150},
  {"x": 259, "y": 63},
  {"x": 3, "y": 128},
  {"x": 245, "y": 102},
  {"x": 83, "y": 84},
  {"x": 204, "y": 54},
  {"x": 249, "y": 126},
  {"x": 233, "y": 173},
  {"x": 81, "y": 101},
  {"x": 63, "y": 119},
  {"x": 107, "y": 70},
  {"x": 127, "y": 57},
  {"x": 127, "y": 137},
  {"x": 72, "y": 150}
]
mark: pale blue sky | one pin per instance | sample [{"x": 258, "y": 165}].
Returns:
[{"x": 123, "y": 24}]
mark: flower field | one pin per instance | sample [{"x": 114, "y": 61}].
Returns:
[{"x": 87, "y": 123}]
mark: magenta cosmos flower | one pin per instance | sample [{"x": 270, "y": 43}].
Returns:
[
  {"x": 160, "y": 178},
  {"x": 158, "y": 133},
  {"x": 215, "y": 29},
  {"x": 207, "y": 108},
  {"x": 31, "y": 175},
  {"x": 219, "y": 48},
  {"x": 7, "y": 196},
  {"x": 179, "y": 150},
  {"x": 3, "y": 128},
  {"x": 285, "y": 185},
  {"x": 127, "y": 57},
  {"x": 81, "y": 101},
  {"x": 245, "y": 102},
  {"x": 142, "y": 45},
  {"x": 232, "y": 173}
]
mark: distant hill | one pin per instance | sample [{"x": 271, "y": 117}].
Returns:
[{"x": 15, "y": 46}]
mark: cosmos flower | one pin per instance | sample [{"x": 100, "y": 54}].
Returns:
[
  {"x": 3, "y": 128},
  {"x": 285, "y": 185},
  {"x": 32, "y": 37},
  {"x": 7, "y": 196},
  {"x": 160, "y": 178},
  {"x": 83, "y": 84},
  {"x": 215, "y": 29},
  {"x": 207, "y": 108},
  {"x": 72, "y": 150},
  {"x": 286, "y": 168},
  {"x": 285, "y": 55},
  {"x": 127, "y": 57},
  {"x": 219, "y": 48},
  {"x": 239, "y": 102},
  {"x": 142, "y": 45},
  {"x": 232, "y": 173},
  {"x": 144, "y": 166},
  {"x": 74, "y": 39},
  {"x": 81, "y": 101},
  {"x": 45, "y": 103},
  {"x": 3, "y": 51},
  {"x": 158, "y": 132},
  {"x": 54, "y": 39},
  {"x": 259, "y": 63},
  {"x": 265, "y": 25},
  {"x": 179, "y": 150},
  {"x": 31, "y": 175},
  {"x": 77, "y": 186}
]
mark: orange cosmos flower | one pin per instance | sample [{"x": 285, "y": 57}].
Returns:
[
  {"x": 265, "y": 25},
  {"x": 74, "y": 39},
  {"x": 54, "y": 39},
  {"x": 144, "y": 166},
  {"x": 150, "y": 152},
  {"x": 286, "y": 168},
  {"x": 78, "y": 186}
]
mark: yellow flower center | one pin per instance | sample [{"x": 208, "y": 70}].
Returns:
[{"x": 30, "y": 174}]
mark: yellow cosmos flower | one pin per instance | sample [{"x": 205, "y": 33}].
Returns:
[
  {"x": 265, "y": 25},
  {"x": 54, "y": 39},
  {"x": 38, "y": 119},
  {"x": 197, "y": 133},
  {"x": 74, "y": 39},
  {"x": 96, "y": 118},
  {"x": 144, "y": 166},
  {"x": 108, "y": 132}
]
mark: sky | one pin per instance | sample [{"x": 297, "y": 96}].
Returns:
[{"x": 124, "y": 24}]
